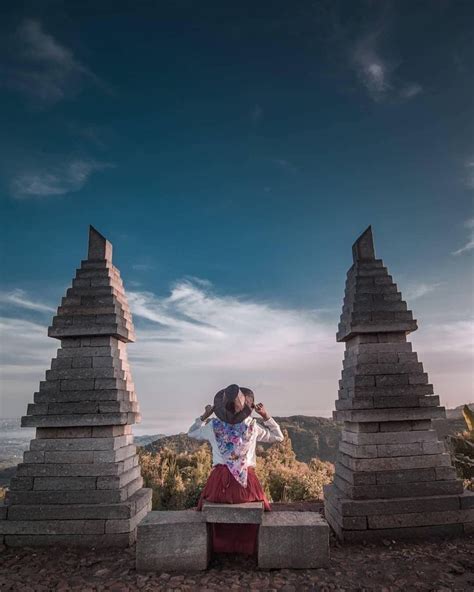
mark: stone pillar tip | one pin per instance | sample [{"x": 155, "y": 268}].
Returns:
[
  {"x": 363, "y": 248},
  {"x": 99, "y": 246}
]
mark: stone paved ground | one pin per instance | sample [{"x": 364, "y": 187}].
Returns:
[{"x": 389, "y": 567}]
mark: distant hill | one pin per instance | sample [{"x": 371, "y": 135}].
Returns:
[
  {"x": 147, "y": 439},
  {"x": 311, "y": 437}
]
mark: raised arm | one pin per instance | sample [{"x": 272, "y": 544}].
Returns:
[
  {"x": 201, "y": 429},
  {"x": 270, "y": 431}
]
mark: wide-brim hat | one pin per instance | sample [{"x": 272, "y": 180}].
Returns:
[{"x": 223, "y": 404}]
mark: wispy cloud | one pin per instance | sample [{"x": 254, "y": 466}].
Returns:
[
  {"x": 377, "y": 73},
  {"x": 469, "y": 224},
  {"x": 42, "y": 68},
  {"x": 469, "y": 170},
  {"x": 19, "y": 298},
  {"x": 415, "y": 290},
  {"x": 56, "y": 179}
]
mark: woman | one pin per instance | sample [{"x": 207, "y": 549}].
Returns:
[{"x": 233, "y": 436}]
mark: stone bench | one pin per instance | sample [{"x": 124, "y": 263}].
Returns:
[
  {"x": 180, "y": 541},
  {"x": 295, "y": 540},
  {"x": 173, "y": 541},
  {"x": 249, "y": 513}
]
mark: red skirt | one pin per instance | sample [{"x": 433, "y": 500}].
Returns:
[{"x": 223, "y": 488}]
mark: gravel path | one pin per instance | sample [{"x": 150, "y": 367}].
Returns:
[{"x": 389, "y": 567}]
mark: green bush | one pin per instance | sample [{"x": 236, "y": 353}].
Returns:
[{"x": 177, "y": 479}]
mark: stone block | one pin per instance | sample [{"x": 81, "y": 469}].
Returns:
[
  {"x": 358, "y": 451},
  {"x": 64, "y": 483},
  {"x": 247, "y": 513},
  {"x": 67, "y": 457},
  {"x": 116, "y": 482},
  {"x": 21, "y": 483},
  {"x": 114, "y": 455},
  {"x": 172, "y": 541},
  {"x": 72, "y": 408},
  {"x": 466, "y": 500},
  {"x": 33, "y": 456},
  {"x": 111, "y": 431},
  {"x": 293, "y": 540}
]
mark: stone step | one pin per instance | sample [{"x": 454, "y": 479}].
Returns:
[
  {"x": 77, "y": 444},
  {"x": 390, "y": 450},
  {"x": 109, "y": 431},
  {"x": 440, "y": 503},
  {"x": 437, "y": 473},
  {"x": 389, "y": 438},
  {"x": 83, "y": 396},
  {"x": 293, "y": 540},
  {"x": 392, "y": 490},
  {"x": 395, "y": 463},
  {"x": 66, "y": 497},
  {"x": 103, "y": 419},
  {"x": 99, "y": 469},
  {"x": 246, "y": 513},
  {"x": 388, "y": 402},
  {"x": 388, "y": 415},
  {"x": 82, "y": 408},
  {"x": 72, "y": 540}
]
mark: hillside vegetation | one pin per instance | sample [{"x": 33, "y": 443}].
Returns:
[{"x": 177, "y": 478}]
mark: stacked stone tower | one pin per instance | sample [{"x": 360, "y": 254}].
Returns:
[
  {"x": 393, "y": 476},
  {"x": 80, "y": 481}
]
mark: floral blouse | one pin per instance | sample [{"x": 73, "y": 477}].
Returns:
[{"x": 233, "y": 445}]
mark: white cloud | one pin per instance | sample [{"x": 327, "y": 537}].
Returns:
[
  {"x": 43, "y": 69},
  {"x": 470, "y": 243},
  {"x": 55, "y": 179},
  {"x": 19, "y": 298},
  {"x": 376, "y": 73},
  {"x": 193, "y": 341}
]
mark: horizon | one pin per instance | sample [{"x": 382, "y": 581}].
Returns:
[{"x": 232, "y": 159}]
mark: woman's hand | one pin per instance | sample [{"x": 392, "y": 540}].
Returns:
[
  {"x": 208, "y": 411},
  {"x": 260, "y": 409}
]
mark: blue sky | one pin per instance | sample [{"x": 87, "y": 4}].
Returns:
[{"x": 232, "y": 155}]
